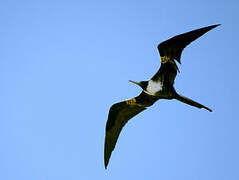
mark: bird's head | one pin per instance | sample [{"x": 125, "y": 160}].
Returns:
[{"x": 142, "y": 84}]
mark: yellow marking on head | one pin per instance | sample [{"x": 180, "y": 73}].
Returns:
[
  {"x": 131, "y": 101},
  {"x": 165, "y": 59}
]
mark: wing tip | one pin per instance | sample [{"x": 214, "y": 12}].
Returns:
[
  {"x": 107, "y": 152},
  {"x": 214, "y": 26},
  {"x": 106, "y": 164},
  {"x": 208, "y": 109},
  {"x": 106, "y": 159},
  {"x": 217, "y": 25}
]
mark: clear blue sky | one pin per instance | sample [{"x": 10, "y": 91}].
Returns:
[{"x": 64, "y": 63}]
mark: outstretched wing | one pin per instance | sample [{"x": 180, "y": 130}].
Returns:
[
  {"x": 173, "y": 47},
  {"x": 119, "y": 114},
  {"x": 171, "y": 50}
]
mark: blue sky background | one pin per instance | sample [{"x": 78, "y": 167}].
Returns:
[{"x": 64, "y": 63}]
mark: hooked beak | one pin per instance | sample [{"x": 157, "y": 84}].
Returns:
[{"x": 137, "y": 83}]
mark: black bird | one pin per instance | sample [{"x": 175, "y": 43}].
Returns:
[{"x": 160, "y": 86}]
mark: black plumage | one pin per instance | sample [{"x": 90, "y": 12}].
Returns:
[{"x": 160, "y": 86}]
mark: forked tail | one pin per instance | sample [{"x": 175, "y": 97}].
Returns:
[{"x": 191, "y": 102}]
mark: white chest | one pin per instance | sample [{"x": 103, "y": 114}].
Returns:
[{"x": 153, "y": 87}]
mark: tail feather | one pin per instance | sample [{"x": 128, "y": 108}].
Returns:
[{"x": 191, "y": 102}]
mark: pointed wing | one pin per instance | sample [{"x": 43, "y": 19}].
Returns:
[
  {"x": 119, "y": 115},
  {"x": 171, "y": 50},
  {"x": 173, "y": 47}
]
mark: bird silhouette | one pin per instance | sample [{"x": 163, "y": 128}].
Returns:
[{"x": 160, "y": 86}]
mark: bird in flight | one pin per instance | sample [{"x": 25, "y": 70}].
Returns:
[{"x": 160, "y": 86}]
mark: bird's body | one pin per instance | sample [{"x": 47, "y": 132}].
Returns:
[
  {"x": 154, "y": 88},
  {"x": 160, "y": 86}
]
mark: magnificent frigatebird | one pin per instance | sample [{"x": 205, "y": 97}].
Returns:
[{"x": 160, "y": 86}]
